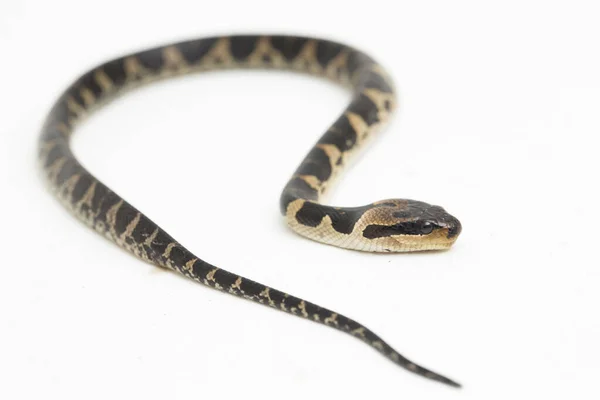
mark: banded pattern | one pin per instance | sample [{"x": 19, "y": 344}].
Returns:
[{"x": 389, "y": 225}]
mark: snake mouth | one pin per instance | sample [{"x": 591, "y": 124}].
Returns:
[
  {"x": 440, "y": 239},
  {"x": 454, "y": 228}
]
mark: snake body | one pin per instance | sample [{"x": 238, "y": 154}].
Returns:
[{"x": 393, "y": 225}]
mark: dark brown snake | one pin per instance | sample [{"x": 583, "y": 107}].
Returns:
[{"x": 384, "y": 226}]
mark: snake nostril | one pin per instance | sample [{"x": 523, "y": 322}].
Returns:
[{"x": 454, "y": 228}]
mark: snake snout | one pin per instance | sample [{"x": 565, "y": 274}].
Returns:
[
  {"x": 444, "y": 220},
  {"x": 454, "y": 227}
]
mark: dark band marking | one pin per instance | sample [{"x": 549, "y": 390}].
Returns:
[
  {"x": 327, "y": 51},
  {"x": 378, "y": 231},
  {"x": 195, "y": 50},
  {"x": 364, "y": 106},
  {"x": 403, "y": 228},
  {"x": 101, "y": 194},
  {"x": 296, "y": 188},
  {"x": 401, "y": 214},
  {"x": 289, "y": 47},
  {"x": 376, "y": 81},
  {"x": 224, "y": 278},
  {"x": 57, "y": 152},
  {"x": 342, "y": 220},
  {"x": 115, "y": 71},
  {"x": 81, "y": 187},
  {"x": 125, "y": 215},
  {"x": 60, "y": 113},
  {"x": 356, "y": 61},
  {"x": 179, "y": 256},
  {"x": 88, "y": 82},
  {"x": 160, "y": 242},
  {"x": 52, "y": 132},
  {"x": 316, "y": 164},
  {"x": 143, "y": 230},
  {"x": 311, "y": 214},
  {"x": 70, "y": 168},
  {"x": 151, "y": 59},
  {"x": 341, "y": 135},
  {"x": 242, "y": 46}
]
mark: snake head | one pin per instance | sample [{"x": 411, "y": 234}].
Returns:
[{"x": 409, "y": 225}]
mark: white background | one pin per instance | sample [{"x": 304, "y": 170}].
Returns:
[{"x": 498, "y": 122}]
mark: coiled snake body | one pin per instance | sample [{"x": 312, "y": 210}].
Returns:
[{"x": 388, "y": 225}]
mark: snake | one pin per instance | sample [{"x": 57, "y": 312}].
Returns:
[{"x": 386, "y": 226}]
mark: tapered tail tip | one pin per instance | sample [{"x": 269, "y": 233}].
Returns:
[{"x": 443, "y": 379}]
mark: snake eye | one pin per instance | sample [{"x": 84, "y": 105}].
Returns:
[{"x": 426, "y": 228}]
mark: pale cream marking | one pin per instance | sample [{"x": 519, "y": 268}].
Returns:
[
  {"x": 237, "y": 284},
  {"x": 167, "y": 252},
  {"x": 381, "y": 99},
  {"x": 293, "y": 208},
  {"x": 68, "y": 186},
  {"x": 88, "y": 96},
  {"x": 63, "y": 129},
  {"x": 331, "y": 320},
  {"x": 190, "y": 265},
  {"x": 411, "y": 366},
  {"x": 359, "y": 125},
  {"x": 54, "y": 169},
  {"x": 45, "y": 149},
  {"x": 310, "y": 180},
  {"x": 338, "y": 63},
  {"x": 265, "y": 48},
  {"x": 379, "y": 70},
  {"x": 302, "y": 307},
  {"x": 307, "y": 58},
  {"x": 265, "y": 294},
  {"x": 378, "y": 345},
  {"x": 375, "y": 68},
  {"x": 150, "y": 239},
  {"x": 168, "y": 264},
  {"x": 359, "y": 331},
  {"x": 282, "y": 305},
  {"x": 100, "y": 227},
  {"x": 220, "y": 53},
  {"x": 325, "y": 229},
  {"x": 88, "y": 196},
  {"x": 134, "y": 70},
  {"x": 316, "y": 317},
  {"x": 131, "y": 227},
  {"x": 173, "y": 59},
  {"x": 111, "y": 216},
  {"x": 332, "y": 152},
  {"x": 210, "y": 276},
  {"x": 72, "y": 120},
  {"x": 103, "y": 80},
  {"x": 395, "y": 356}
]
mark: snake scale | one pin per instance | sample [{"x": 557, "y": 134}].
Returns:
[{"x": 385, "y": 226}]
